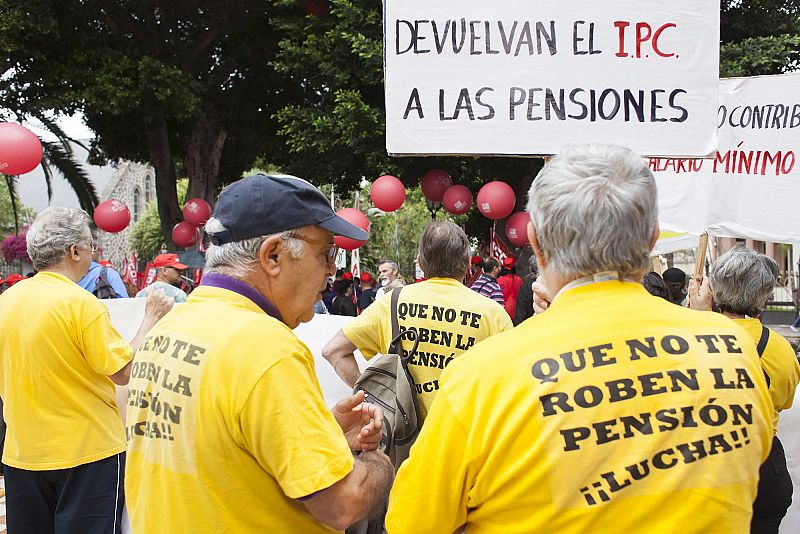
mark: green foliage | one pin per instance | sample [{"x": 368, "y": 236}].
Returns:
[
  {"x": 759, "y": 37},
  {"x": 755, "y": 56},
  {"x": 147, "y": 239},
  {"x": 24, "y": 215}
]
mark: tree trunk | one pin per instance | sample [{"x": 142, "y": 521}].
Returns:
[
  {"x": 166, "y": 180},
  {"x": 203, "y": 155}
]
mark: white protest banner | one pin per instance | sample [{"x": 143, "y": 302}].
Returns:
[
  {"x": 524, "y": 77},
  {"x": 684, "y": 193},
  {"x": 751, "y": 189},
  {"x": 756, "y": 191}
]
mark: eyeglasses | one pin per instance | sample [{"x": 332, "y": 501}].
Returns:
[
  {"x": 330, "y": 255},
  {"x": 93, "y": 247}
]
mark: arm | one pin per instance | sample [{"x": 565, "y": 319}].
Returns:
[
  {"x": 156, "y": 307},
  {"x": 339, "y": 353},
  {"x": 359, "y": 495}
]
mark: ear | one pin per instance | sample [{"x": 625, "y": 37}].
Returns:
[
  {"x": 73, "y": 253},
  {"x": 420, "y": 263},
  {"x": 654, "y": 237},
  {"x": 271, "y": 255},
  {"x": 537, "y": 250}
]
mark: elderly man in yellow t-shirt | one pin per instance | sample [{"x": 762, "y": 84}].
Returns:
[
  {"x": 59, "y": 360},
  {"x": 447, "y": 316},
  {"x": 227, "y": 427},
  {"x": 613, "y": 411}
]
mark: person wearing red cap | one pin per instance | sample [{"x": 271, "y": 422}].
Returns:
[
  {"x": 368, "y": 292},
  {"x": 168, "y": 275},
  {"x": 510, "y": 283}
]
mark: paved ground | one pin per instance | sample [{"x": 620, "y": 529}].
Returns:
[{"x": 3, "y": 506}]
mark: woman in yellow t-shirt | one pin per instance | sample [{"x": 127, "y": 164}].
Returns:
[{"x": 741, "y": 282}]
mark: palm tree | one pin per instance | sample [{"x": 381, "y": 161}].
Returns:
[{"x": 57, "y": 155}]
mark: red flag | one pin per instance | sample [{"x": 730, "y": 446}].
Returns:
[
  {"x": 130, "y": 274},
  {"x": 150, "y": 275},
  {"x": 497, "y": 248}
]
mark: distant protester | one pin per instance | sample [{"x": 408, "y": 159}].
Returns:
[
  {"x": 675, "y": 279},
  {"x": 655, "y": 285}
]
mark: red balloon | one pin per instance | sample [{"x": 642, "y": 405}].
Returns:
[
  {"x": 517, "y": 228},
  {"x": 434, "y": 184},
  {"x": 356, "y": 217},
  {"x": 112, "y": 216},
  {"x": 185, "y": 234},
  {"x": 20, "y": 149},
  {"x": 196, "y": 211},
  {"x": 387, "y": 193},
  {"x": 457, "y": 199},
  {"x": 496, "y": 200}
]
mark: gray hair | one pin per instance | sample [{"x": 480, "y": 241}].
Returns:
[
  {"x": 594, "y": 209},
  {"x": 237, "y": 259},
  {"x": 444, "y": 250},
  {"x": 742, "y": 281},
  {"x": 53, "y": 232},
  {"x": 392, "y": 264}
]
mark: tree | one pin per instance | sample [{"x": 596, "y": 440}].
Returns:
[
  {"x": 187, "y": 86},
  {"x": 759, "y": 37},
  {"x": 147, "y": 239},
  {"x": 336, "y": 134}
]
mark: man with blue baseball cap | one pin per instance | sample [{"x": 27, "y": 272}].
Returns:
[{"x": 227, "y": 426}]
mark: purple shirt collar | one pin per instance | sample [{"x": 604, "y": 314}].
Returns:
[{"x": 241, "y": 288}]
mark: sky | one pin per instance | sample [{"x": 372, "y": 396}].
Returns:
[{"x": 32, "y": 188}]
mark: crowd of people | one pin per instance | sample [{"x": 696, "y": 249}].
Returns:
[{"x": 590, "y": 396}]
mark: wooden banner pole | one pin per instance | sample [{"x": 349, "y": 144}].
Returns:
[{"x": 702, "y": 246}]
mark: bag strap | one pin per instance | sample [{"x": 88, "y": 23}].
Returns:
[
  {"x": 761, "y": 347},
  {"x": 395, "y": 324},
  {"x": 762, "y": 343}
]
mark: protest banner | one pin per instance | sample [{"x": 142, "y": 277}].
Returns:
[
  {"x": 525, "y": 77},
  {"x": 751, "y": 189}
]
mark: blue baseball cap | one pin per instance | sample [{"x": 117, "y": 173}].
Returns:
[{"x": 269, "y": 204}]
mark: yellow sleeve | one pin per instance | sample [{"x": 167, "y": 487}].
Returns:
[
  {"x": 371, "y": 331},
  {"x": 103, "y": 347},
  {"x": 502, "y": 323},
  {"x": 291, "y": 433},
  {"x": 780, "y": 363},
  {"x": 430, "y": 490}
]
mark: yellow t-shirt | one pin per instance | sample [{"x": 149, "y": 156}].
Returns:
[
  {"x": 614, "y": 411},
  {"x": 226, "y": 423},
  {"x": 779, "y": 362},
  {"x": 57, "y": 349},
  {"x": 448, "y": 318}
]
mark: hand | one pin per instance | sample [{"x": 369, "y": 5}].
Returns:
[
  {"x": 157, "y": 305},
  {"x": 361, "y": 422},
  {"x": 700, "y": 295},
  {"x": 540, "y": 296}
]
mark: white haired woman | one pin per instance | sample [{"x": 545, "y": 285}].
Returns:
[{"x": 741, "y": 282}]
